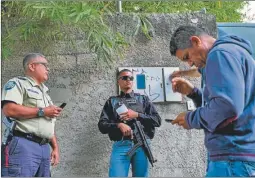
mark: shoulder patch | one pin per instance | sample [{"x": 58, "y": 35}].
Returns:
[{"x": 9, "y": 85}]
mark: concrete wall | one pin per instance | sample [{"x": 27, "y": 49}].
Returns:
[{"x": 77, "y": 79}]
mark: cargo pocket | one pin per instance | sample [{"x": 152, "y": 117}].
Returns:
[
  {"x": 14, "y": 171},
  {"x": 10, "y": 171},
  {"x": 250, "y": 168}
]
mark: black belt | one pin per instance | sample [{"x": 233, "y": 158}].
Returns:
[
  {"x": 126, "y": 138},
  {"x": 31, "y": 137},
  {"x": 123, "y": 138}
]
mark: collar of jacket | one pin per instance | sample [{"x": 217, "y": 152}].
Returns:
[{"x": 127, "y": 95}]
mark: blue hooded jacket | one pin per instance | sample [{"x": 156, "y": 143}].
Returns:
[{"x": 228, "y": 118}]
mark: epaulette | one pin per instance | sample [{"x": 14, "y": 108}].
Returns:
[
  {"x": 113, "y": 97},
  {"x": 140, "y": 96},
  {"x": 22, "y": 78},
  {"x": 137, "y": 94}
]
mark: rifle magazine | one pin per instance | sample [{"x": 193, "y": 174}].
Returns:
[{"x": 133, "y": 149}]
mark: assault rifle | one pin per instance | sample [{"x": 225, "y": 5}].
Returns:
[{"x": 140, "y": 141}]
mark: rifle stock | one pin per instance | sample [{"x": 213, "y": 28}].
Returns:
[{"x": 140, "y": 141}]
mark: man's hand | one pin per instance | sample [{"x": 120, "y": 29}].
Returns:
[
  {"x": 52, "y": 111},
  {"x": 125, "y": 129},
  {"x": 182, "y": 86},
  {"x": 54, "y": 157},
  {"x": 175, "y": 74},
  {"x": 129, "y": 115},
  {"x": 180, "y": 120}
]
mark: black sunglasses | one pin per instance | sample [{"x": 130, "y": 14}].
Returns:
[{"x": 131, "y": 78}]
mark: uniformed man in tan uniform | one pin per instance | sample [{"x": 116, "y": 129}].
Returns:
[{"x": 25, "y": 101}]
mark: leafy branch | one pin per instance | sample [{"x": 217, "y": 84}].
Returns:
[
  {"x": 41, "y": 25},
  {"x": 46, "y": 23}
]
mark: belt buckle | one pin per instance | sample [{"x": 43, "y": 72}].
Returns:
[
  {"x": 29, "y": 136},
  {"x": 43, "y": 141}
]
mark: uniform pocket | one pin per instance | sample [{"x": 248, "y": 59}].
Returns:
[
  {"x": 10, "y": 171},
  {"x": 13, "y": 145},
  {"x": 14, "y": 171},
  {"x": 250, "y": 168},
  {"x": 33, "y": 98}
]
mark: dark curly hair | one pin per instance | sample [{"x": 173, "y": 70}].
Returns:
[{"x": 181, "y": 37}]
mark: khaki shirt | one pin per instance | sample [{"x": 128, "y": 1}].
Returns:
[{"x": 25, "y": 91}]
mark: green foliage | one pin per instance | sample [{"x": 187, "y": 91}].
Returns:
[
  {"x": 225, "y": 11},
  {"x": 46, "y": 23},
  {"x": 144, "y": 24},
  {"x": 41, "y": 25}
]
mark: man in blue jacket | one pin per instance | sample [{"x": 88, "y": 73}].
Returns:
[{"x": 228, "y": 118}]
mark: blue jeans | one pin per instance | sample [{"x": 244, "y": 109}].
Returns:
[
  {"x": 231, "y": 169},
  {"x": 120, "y": 161},
  {"x": 24, "y": 158}
]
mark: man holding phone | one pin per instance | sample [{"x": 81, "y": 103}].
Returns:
[
  {"x": 116, "y": 121},
  {"x": 26, "y": 102},
  {"x": 228, "y": 117},
  {"x": 62, "y": 105}
]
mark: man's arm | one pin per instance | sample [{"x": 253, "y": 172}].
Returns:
[
  {"x": 225, "y": 83},
  {"x": 150, "y": 116},
  {"x": 184, "y": 87},
  {"x": 12, "y": 103},
  {"x": 188, "y": 73},
  {"x": 13, "y": 110},
  {"x": 105, "y": 125},
  {"x": 53, "y": 143},
  {"x": 55, "y": 151},
  {"x": 196, "y": 96}
]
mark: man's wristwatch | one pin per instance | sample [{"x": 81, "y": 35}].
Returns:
[{"x": 40, "y": 112}]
